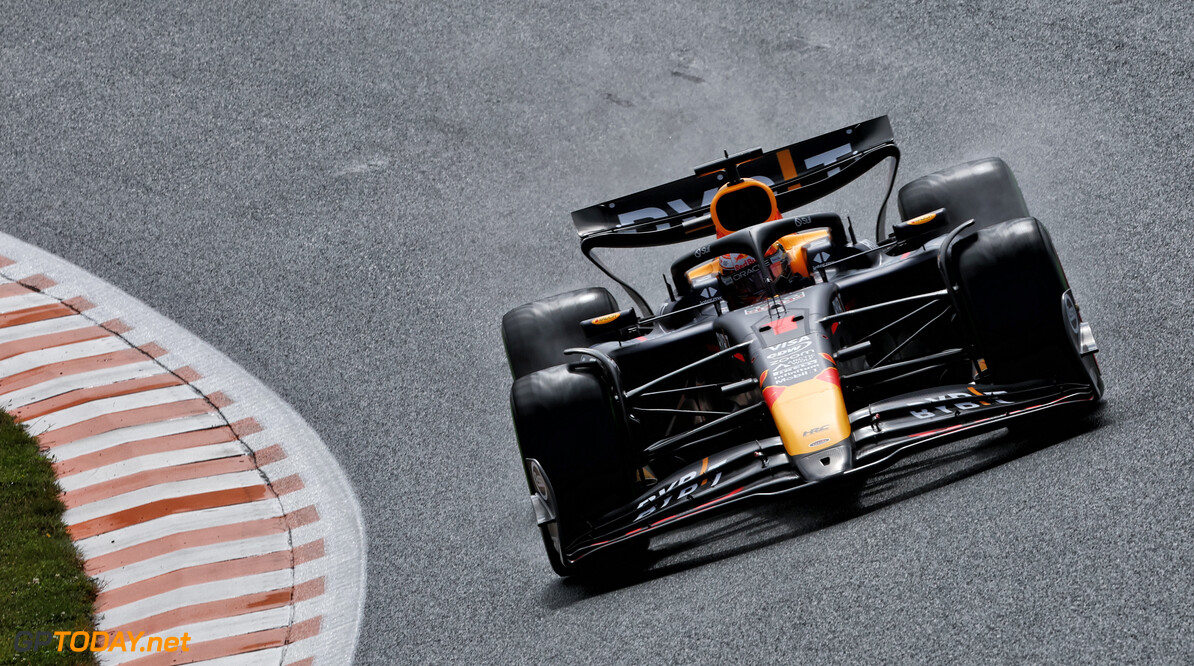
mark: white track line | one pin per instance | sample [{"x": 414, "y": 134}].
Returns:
[
  {"x": 193, "y": 557},
  {"x": 211, "y": 630},
  {"x": 151, "y": 461},
  {"x": 134, "y": 433},
  {"x": 104, "y": 406},
  {"x": 135, "y": 535},
  {"x": 83, "y": 380},
  {"x": 24, "y": 302},
  {"x": 219, "y": 590},
  {"x": 339, "y": 562},
  {"x": 41, "y": 357},
  {"x": 142, "y": 496},
  {"x": 270, "y": 656},
  {"x": 44, "y": 327}
]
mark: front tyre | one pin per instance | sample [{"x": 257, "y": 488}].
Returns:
[
  {"x": 574, "y": 450},
  {"x": 1024, "y": 319}
]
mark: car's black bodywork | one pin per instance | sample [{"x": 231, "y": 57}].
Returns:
[{"x": 959, "y": 320}]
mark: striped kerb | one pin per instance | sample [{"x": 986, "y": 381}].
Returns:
[{"x": 177, "y": 518}]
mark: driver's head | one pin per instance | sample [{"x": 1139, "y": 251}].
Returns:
[
  {"x": 738, "y": 205},
  {"x": 741, "y": 280}
]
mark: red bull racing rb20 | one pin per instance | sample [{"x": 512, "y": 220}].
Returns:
[{"x": 790, "y": 354}]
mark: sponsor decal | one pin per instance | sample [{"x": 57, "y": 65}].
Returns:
[
  {"x": 792, "y": 360},
  {"x": 782, "y": 351},
  {"x": 677, "y": 205},
  {"x": 766, "y": 305},
  {"x": 816, "y": 430},
  {"x": 675, "y": 492},
  {"x": 739, "y": 273},
  {"x": 605, "y": 319},
  {"x": 792, "y": 370},
  {"x": 788, "y": 346},
  {"x": 939, "y": 410},
  {"x": 828, "y": 157},
  {"x": 819, "y": 442}
]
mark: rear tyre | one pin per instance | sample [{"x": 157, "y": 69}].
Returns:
[
  {"x": 574, "y": 450},
  {"x": 1023, "y": 316},
  {"x": 536, "y": 334},
  {"x": 983, "y": 190}
]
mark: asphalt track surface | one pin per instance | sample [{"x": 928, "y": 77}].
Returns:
[{"x": 345, "y": 199}]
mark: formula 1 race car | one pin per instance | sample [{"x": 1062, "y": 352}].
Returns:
[{"x": 790, "y": 355}]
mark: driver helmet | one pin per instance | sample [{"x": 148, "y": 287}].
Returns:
[
  {"x": 742, "y": 282},
  {"x": 741, "y": 203}
]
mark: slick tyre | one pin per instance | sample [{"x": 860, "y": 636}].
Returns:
[
  {"x": 536, "y": 334},
  {"x": 983, "y": 190},
  {"x": 574, "y": 451},
  {"x": 1022, "y": 313}
]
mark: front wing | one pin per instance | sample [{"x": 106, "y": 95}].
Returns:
[{"x": 883, "y": 433}]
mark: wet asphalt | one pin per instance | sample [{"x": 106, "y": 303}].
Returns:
[{"x": 345, "y": 198}]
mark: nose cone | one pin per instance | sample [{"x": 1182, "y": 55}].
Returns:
[
  {"x": 810, "y": 415},
  {"x": 826, "y": 463}
]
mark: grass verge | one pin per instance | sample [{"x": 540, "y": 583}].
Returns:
[{"x": 42, "y": 584}]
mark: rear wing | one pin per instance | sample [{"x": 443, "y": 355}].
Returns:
[
  {"x": 799, "y": 173},
  {"x": 679, "y": 211}
]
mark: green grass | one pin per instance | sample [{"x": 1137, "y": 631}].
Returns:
[{"x": 42, "y": 584}]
